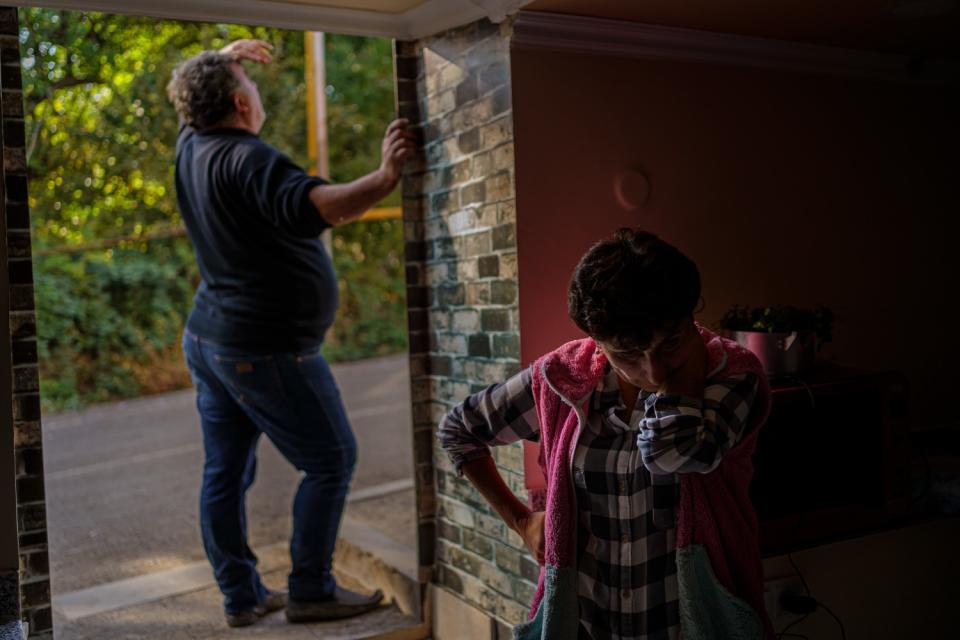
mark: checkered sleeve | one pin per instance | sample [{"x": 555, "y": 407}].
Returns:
[
  {"x": 500, "y": 414},
  {"x": 680, "y": 434}
]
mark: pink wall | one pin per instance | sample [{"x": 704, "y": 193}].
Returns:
[{"x": 783, "y": 187}]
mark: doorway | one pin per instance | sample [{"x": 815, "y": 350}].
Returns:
[{"x": 114, "y": 277}]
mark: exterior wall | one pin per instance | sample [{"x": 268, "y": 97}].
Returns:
[
  {"x": 9, "y": 545},
  {"x": 18, "y": 272},
  {"x": 460, "y": 223}
]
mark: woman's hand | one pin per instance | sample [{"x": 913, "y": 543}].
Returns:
[
  {"x": 530, "y": 528},
  {"x": 691, "y": 377},
  {"x": 483, "y": 474}
]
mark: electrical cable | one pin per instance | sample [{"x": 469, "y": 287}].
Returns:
[
  {"x": 796, "y": 529},
  {"x": 797, "y": 604},
  {"x": 803, "y": 581},
  {"x": 798, "y": 524},
  {"x": 784, "y": 633},
  {"x": 843, "y": 632}
]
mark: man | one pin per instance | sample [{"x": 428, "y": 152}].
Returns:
[{"x": 252, "y": 341}]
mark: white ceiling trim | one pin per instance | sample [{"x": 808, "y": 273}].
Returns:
[
  {"x": 439, "y": 15},
  {"x": 433, "y": 16},
  {"x": 575, "y": 34}
]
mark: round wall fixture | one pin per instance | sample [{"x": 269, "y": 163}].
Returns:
[{"x": 632, "y": 189}]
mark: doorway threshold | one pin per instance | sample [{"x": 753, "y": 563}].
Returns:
[{"x": 184, "y": 602}]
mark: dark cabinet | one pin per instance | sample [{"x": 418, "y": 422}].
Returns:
[{"x": 833, "y": 459}]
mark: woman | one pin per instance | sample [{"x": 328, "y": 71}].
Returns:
[{"x": 646, "y": 430}]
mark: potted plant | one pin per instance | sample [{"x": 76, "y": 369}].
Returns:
[{"x": 785, "y": 338}]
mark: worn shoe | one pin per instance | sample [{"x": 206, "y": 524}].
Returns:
[
  {"x": 274, "y": 601},
  {"x": 344, "y": 604}
]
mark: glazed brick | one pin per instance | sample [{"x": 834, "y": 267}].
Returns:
[
  {"x": 406, "y": 67},
  {"x": 12, "y": 103},
  {"x": 35, "y": 594},
  {"x": 35, "y": 540},
  {"x": 32, "y": 518},
  {"x": 21, "y": 297},
  {"x": 495, "y": 320},
  {"x": 16, "y": 184},
  {"x": 450, "y": 579},
  {"x": 29, "y": 462},
  {"x": 503, "y": 292},
  {"x": 30, "y": 490},
  {"x": 38, "y": 563},
  {"x": 9, "y": 23},
  {"x": 426, "y": 540},
  {"x": 449, "y": 531},
  {"x": 23, "y": 325},
  {"x": 21, "y": 272},
  {"x": 18, "y": 216},
  {"x": 478, "y": 544},
  {"x": 41, "y": 623},
  {"x": 26, "y": 407},
  {"x": 11, "y": 78},
  {"x": 469, "y": 141},
  {"x": 504, "y": 237},
  {"x": 27, "y": 434},
  {"x": 506, "y": 345},
  {"x": 18, "y": 243},
  {"x": 488, "y": 266},
  {"x": 479, "y": 345}
]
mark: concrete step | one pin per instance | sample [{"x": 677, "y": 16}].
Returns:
[
  {"x": 378, "y": 562},
  {"x": 184, "y": 603}
]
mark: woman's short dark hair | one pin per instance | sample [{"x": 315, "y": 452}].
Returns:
[
  {"x": 630, "y": 285},
  {"x": 202, "y": 89}
]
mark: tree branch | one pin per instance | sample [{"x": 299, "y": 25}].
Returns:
[
  {"x": 69, "y": 80},
  {"x": 65, "y": 82},
  {"x": 34, "y": 135},
  {"x": 108, "y": 243}
]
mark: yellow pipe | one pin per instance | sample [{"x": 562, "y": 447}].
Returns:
[
  {"x": 382, "y": 213},
  {"x": 311, "y": 102}
]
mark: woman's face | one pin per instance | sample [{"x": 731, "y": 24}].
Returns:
[{"x": 649, "y": 366}]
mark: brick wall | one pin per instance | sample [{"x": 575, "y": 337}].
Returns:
[
  {"x": 460, "y": 225},
  {"x": 31, "y": 520},
  {"x": 9, "y": 543}
]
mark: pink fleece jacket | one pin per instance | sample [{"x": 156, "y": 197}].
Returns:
[{"x": 714, "y": 510}]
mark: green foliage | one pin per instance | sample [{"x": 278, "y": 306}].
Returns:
[
  {"x": 359, "y": 104},
  {"x": 780, "y": 319},
  {"x": 106, "y": 317},
  {"x": 372, "y": 316},
  {"x": 100, "y": 147}
]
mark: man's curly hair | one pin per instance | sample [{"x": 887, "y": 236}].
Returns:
[
  {"x": 202, "y": 89},
  {"x": 629, "y": 286}
]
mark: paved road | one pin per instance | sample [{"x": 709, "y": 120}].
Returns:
[{"x": 122, "y": 479}]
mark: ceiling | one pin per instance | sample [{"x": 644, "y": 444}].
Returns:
[
  {"x": 379, "y": 6},
  {"x": 400, "y": 19},
  {"x": 912, "y": 27},
  {"x": 928, "y": 28}
]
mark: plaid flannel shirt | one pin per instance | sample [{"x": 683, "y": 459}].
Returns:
[{"x": 626, "y": 485}]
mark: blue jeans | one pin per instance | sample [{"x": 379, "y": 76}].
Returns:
[{"x": 294, "y": 400}]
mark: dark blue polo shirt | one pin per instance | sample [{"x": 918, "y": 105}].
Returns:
[{"x": 267, "y": 281}]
